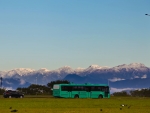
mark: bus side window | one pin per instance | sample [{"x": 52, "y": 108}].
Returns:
[
  {"x": 74, "y": 88},
  {"x": 69, "y": 88},
  {"x": 64, "y": 88},
  {"x": 105, "y": 88},
  {"x": 99, "y": 88},
  {"x": 88, "y": 88},
  {"x": 92, "y": 88}
]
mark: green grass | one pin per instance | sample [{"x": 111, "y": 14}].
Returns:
[{"x": 48, "y": 104}]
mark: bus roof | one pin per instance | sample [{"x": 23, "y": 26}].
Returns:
[{"x": 86, "y": 84}]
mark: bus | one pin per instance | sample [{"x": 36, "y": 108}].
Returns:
[{"x": 81, "y": 91}]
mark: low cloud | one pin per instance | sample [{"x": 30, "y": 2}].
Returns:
[
  {"x": 9, "y": 83},
  {"x": 112, "y": 90},
  {"x": 9, "y": 88},
  {"x": 136, "y": 77},
  {"x": 22, "y": 82},
  {"x": 116, "y": 79},
  {"x": 144, "y": 76}
]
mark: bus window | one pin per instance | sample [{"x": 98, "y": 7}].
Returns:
[
  {"x": 95, "y": 88},
  {"x": 99, "y": 88},
  {"x": 88, "y": 88},
  {"x": 66, "y": 88},
  {"x": 105, "y": 88},
  {"x": 74, "y": 88},
  {"x": 78, "y": 88}
]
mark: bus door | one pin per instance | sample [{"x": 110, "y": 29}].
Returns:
[
  {"x": 106, "y": 94},
  {"x": 106, "y": 91}
]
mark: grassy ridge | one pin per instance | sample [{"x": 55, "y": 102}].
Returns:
[{"x": 47, "y": 104}]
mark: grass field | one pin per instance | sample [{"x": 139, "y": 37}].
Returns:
[{"x": 48, "y": 104}]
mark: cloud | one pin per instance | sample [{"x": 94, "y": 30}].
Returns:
[
  {"x": 116, "y": 79},
  {"x": 9, "y": 88},
  {"x": 9, "y": 83},
  {"x": 144, "y": 76},
  {"x": 112, "y": 90},
  {"x": 136, "y": 77},
  {"x": 22, "y": 81}
]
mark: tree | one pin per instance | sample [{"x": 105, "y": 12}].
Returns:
[
  {"x": 123, "y": 93},
  {"x": 2, "y": 91},
  {"x": 50, "y": 84},
  {"x": 141, "y": 93},
  {"x": 35, "y": 89}
]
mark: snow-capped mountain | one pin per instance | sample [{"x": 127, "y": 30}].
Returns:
[
  {"x": 43, "y": 71},
  {"x": 65, "y": 70},
  {"x": 132, "y": 66},
  {"x": 93, "y": 74},
  {"x": 18, "y": 71},
  {"x": 92, "y": 68}
]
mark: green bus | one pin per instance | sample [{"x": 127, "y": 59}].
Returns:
[{"x": 81, "y": 90}]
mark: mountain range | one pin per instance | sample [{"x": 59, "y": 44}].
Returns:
[{"x": 134, "y": 75}]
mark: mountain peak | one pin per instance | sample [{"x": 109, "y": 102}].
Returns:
[
  {"x": 43, "y": 70},
  {"x": 94, "y": 66},
  {"x": 136, "y": 65},
  {"x": 66, "y": 69},
  {"x": 20, "y": 71}
]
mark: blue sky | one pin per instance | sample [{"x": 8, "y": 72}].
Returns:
[{"x": 55, "y": 33}]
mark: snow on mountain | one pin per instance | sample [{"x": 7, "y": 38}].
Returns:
[
  {"x": 92, "y": 68},
  {"x": 43, "y": 71},
  {"x": 135, "y": 66},
  {"x": 3, "y": 73},
  {"x": 65, "y": 69},
  {"x": 79, "y": 70},
  {"x": 18, "y": 71},
  {"x": 95, "y": 67},
  {"x": 94, "y": 74},
  {"x": 60, "y": 73}
]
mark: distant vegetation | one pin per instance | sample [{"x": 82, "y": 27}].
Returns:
[
  {"x": 122, "y": 94},
  {"x": 134, "y": 93},
  {"x": 2, "y": 90},
  {"x": 36, "y": 89}
]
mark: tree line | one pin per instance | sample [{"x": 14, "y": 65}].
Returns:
[
  {"x": 134, "y": 93},
  {"x": 36, "y": 89}
]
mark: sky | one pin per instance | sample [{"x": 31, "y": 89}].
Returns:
[{"x": 77, "y": 33}]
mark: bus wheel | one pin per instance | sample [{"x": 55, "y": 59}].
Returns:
[
  {"x": 100, "y": 97},
  {"x": 76, "y": 96}
]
